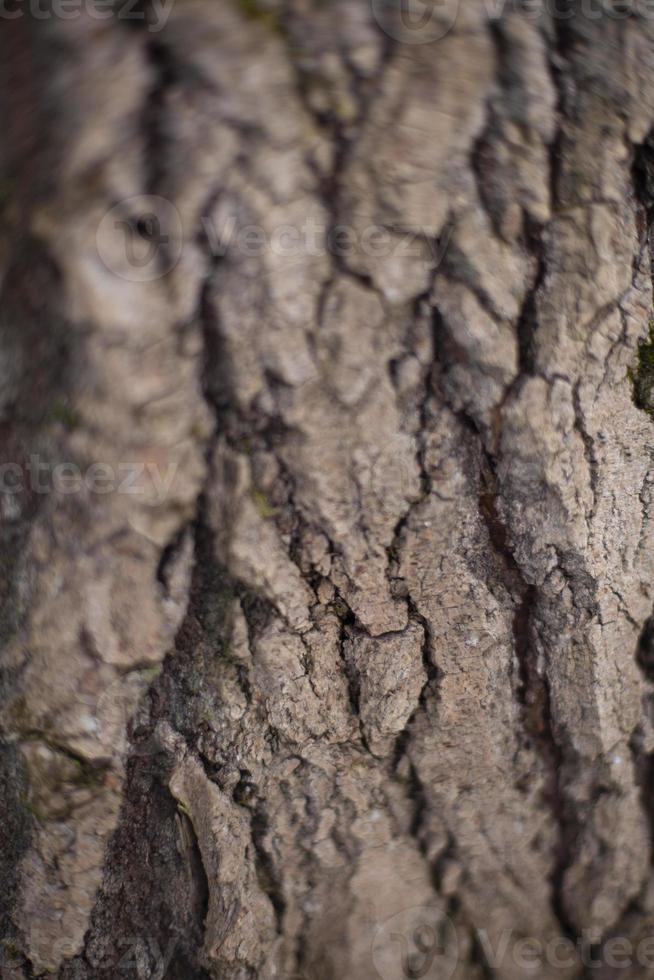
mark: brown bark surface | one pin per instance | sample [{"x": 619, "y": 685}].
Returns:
[{"x": 345, "y": 670}]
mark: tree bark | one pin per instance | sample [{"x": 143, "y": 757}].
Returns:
[{"x": 327, "y": 463}]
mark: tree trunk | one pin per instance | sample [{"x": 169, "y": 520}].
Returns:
[{"x": 327, "y": 458}]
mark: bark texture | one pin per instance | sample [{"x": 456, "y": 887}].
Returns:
[{"x": 379, "y": 658}]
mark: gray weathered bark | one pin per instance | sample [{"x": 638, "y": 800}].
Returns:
[{"x": 364, "y": 687}]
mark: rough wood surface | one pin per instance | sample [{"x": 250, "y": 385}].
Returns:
[{"x": 364, "y": 651}]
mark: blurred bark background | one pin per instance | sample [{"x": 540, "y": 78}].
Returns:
[{"x": 336, "y": 664}]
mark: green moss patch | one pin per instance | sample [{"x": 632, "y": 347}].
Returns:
[
  {"x": 62, "y": 413},
  {"x": 642, "y": 375},
  {"x": 262, "y": 504},
  {"x": 258, "y": 11}
]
